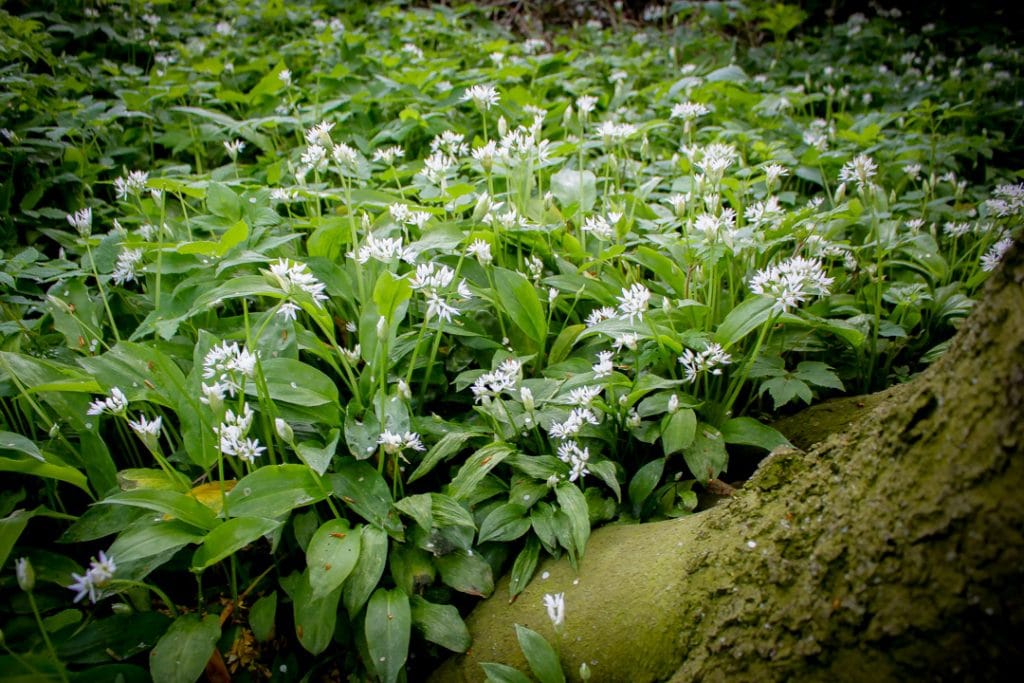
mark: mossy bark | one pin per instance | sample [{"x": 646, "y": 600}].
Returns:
[{"x": 893, "y": 550}]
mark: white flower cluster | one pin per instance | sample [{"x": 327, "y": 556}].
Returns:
[
  {"x": 995, "y": 254},
  {"x": 572, "y": 424},
  {"x": 613, "y": 131},
  {"x": 523, "y": 145},
  {"x": 483, "y": 96},
  {"x": 600, "y": 315},
  {"x": 600, "y": 227},
  {"x": 116, "y": 404},
  {"x": 99, "y": 573},
  {"x": 293, "y": 277},
  {"x": 577, "y": 458},
  {"x": 126, "y": 268},
  {"x": 634, "y": 301},
  {"x": 791, "y": 282},
  {"x": 688, "y": 111},
  {"x": 555, "y": 606},
  {"x": 503, "y": 378},
  {"x": 394, "y": 443},
  {"x": 481, "y": 250},
  {"x": 603, "y": 367},
  {"x": 227, "y": 365},
  {"x": 860, "y": 170},
  {"x": 132, "y": 184},
  {"x": 708, "y": 360},
  {"x": 430, "y": 279},
  {"x": 233, "y": 432},
  {"x": 81, "y": 221},
  {"x": 383, "y": 249},
  {"x": 1009, "y": 200}
]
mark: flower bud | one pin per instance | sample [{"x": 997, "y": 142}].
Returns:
[
  {"x": 284, "y": 430},
  {"x": 26, "y": 574},
  {"x": 502, "y": 126},
  {"x": 584, "y": 672},
  {"x": 526, "y": 396},
  {"x": 403, "y": 390}
]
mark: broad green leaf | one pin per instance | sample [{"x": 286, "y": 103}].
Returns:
[
  {"x": 504, "y": 523},
  {"x": 447, "y": 446},
  {"x": 230, "y": 537},
  {"x": 16, "y": 442},
  {"x": 46, "y": 470},
  {"x": 707, "y": 457},
  {"x": 563, "y": 343},
  {"x": 730, "y": 73},
  {"x": 115, "y": 637},
  {"x": 574, "y": 505},
  {"x": 315, "y": 618},
  {"x": 388, "y": 625},
  {"x": 743, "y": 319},
  {"x": 819, "y": 374},
  {"x": 262, "y": 616},
  {"x": 274, "y": 490},
  {"x": 440, "y": 624},
  {"x": 148, "y": 539},
  {"x": 476, "y": 468},
  {"x": 786, "y": 388},
  {"x": 317, "y": 457},
  {"x": 470, "y": 574},
  {"x": 389, "y": 294},
  {"x": 750, "y": 432},
  {"x": 293, "y": 381},
  {"x": 373, "y": 557},
  {"x": 331, "y": 556},
  {"x": 575, "y": 187},
  {"x": 171, "y": 503},
  {"x": 644, "y": 482},
  {"x": 222, "y": 201},
  {"x": 518, "y": 297},
  {"x": 541, "y": 657},
  {"x": 662, "y": 266},
  {"x": 503, "y": 673},
  {"x": 362, "y": 489},
  {"x": 606, "y": 472},
  {"x": 11, "y": 527},
  {"x": 679, "y": 430},
  {"x": 524, "y": 566},
  {"x": 181, "y": 654}
]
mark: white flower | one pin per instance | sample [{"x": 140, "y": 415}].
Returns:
[
  {"x": 688, "y": 111},
  {"x": 603, "y": 367},
  {"x": 99, "y": 573},
  {"x": 234, "y": 148},
  {"x": 320, "y": 134},
  {"x": 116, "y": 404},
  {"x": 288, "y": 311},
  {"x": 772, "y": 172},
  {"x": 388, "y": 155},
  {"x": 224, "y": 363},
  {"x": 584, "y": 396},
  {"x": 352, "y": 355},
  {"x": 285, "y": 76},
  {"x": 293, "y": 276},
  {"x": 146, "y": 428},
  {"x": 860, "y": 170},
  {"x": 383, "y": 249},
  {"x": 585, "y": 104},
  {"x": 437, "y": 166},
  {"x": 133, "y": 184},
  {"x": 611, "y": 131},
  {"x": 315, "y": 157},
  {"x": 504, "y": 377},
  {"x": 577, "y": 458},
  {"x": 600, "y": 314},
  {"x": 572, "y": 424},
  {"x": 81, "y": 221},
  {"x": 599, "y": 227},
  {"x": 438, "y": 307},
  {"x": 555, "y": 605},
  {"x": 394, "y": 443},
  {"x": 483, "y": 96},
  {"x": 990, "y": 261},
  {"x": 345, "y": 155},
  {"x": 481, "y": 249},
  {"x": 126, "y": 268},
  {"x": 707, "y": 360},
  {"x": 627, "y": 340},
  {"x": 451, "y": 143},
  {"x": 633, "y": 302},
  {"x": 791, "y": 282}
]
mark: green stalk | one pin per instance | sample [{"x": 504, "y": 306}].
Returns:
[{"x": 46, "y": 637}]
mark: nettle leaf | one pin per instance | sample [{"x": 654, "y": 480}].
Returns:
[
  {"x": 819, "y": 374},
  {"x": 388, "y": 625},
  {"x": 181, "y": 654},
  {"x": 332, "y": 555},
  {"x": 440, "y": 624},
  {"x": 785, "y": 389}
]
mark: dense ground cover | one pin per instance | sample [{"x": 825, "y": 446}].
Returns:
[{"x": 316, "y": 321}]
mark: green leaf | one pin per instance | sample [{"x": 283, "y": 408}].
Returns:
[
  {"x": 470, "y": 574},
  {"x": 262, "y": 617},
  {"x": 819, "y": 374},
  {"x": 563, "y": 343},
  {"x": 678, "y": 431},
  {"x": 16, "y": 442},
  {"x": 662, "y": 266},
  {"x": 373, "y": 557},
  {"x": 315, "y": 618},
  {"x": 574, "y": 505},
  {"x": 731, "y": 73},
  {"x": 388, "y": 625},
  {"x": 644, "y": 482},
  {"x": 750, "y": 432},
  {"x": 476, "y": 468},
  {"x": 440, "y": 624},
  {"x": 743, "y": 319},
  {"x": 362, "y": 488},
  {"x": 389, "y": 294},
  {"x": 331, "y": 556},
  {"x": 11, "y": 527},
  {"x": 785, "y": 389},
  {"x": 230, "y": 537},
  {"x": 148, "y": 539},
  {"x": 222, "y": 201},
  {"x": 171, "y": 503},
  {"x": 503, "y": 673},
  {"x": 293, "y": 381},
  {"x": 518, "y": 297},
  {"x": 541, "y": 657},
  {"x": 181, "y": 654},
  {"x": 116, "y": 637},
  {"x": 575, "y": 187},
  {"x": 46, "y": 470},
  {"x": 504, "y": 523},
  {"x": 606, "y": 472},
  {"x": 274, "y": 490},
  {"x": 524, "y": 566},
  {"x": 707, "y": 457},
  {"x": 317, "y": 457},
  {"x": 447, "y": 446}
]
